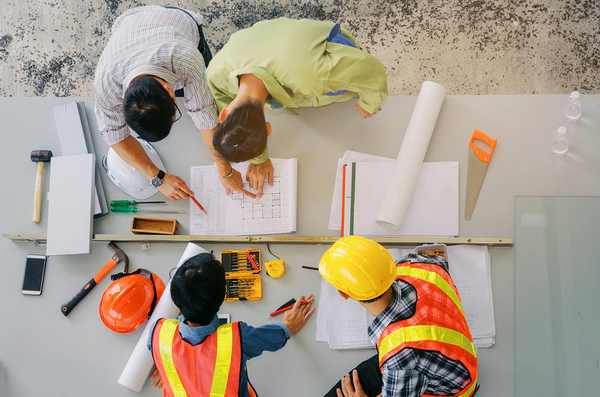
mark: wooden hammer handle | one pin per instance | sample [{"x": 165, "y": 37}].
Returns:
[{"x": 37, "y": 198}]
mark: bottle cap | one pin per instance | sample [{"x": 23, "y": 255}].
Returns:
[
  {"x": 575, "y": 95},
  {"x": 561, "y": 130}
]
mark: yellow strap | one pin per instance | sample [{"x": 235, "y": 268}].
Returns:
[
  {"x": 167, "y": 332},
  {"x": 223, "y": 362},
  {"x": 433, "y": 278},
  {"x": 468, "y": 391},
  {"x": 425, "y": 333}
]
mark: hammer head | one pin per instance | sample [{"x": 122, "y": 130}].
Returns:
[
  {"x": 119, "y": 255},
  {"x": 41, "y": 155}
]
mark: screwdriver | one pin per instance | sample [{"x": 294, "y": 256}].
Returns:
[
  {"x": 134, "y": 209},
  {"x": 127, "y": 203}
]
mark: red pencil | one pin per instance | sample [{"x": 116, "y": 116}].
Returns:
[
  {"x": 198, "y": 204},
  {"x": 285, "y": 309}
]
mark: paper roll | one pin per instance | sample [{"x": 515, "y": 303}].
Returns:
[
  {"x": 140, "y": 363},
  {"x": 411, "y": 156}
]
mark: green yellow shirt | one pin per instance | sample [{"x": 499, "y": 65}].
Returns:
[{"x": 298, "y": 66}]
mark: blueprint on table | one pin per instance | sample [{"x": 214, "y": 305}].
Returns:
[{"x": 236, "y": 214}]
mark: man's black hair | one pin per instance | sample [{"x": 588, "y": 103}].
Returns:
[
  {"x": 198, "y": 288},
  {"x": 243, "y": 134},
  {"x": 374, "y": 299},
  {"x": 148, "y": 108}
]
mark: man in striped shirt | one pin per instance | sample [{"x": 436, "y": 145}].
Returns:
[{"x": 152, "y": 52}]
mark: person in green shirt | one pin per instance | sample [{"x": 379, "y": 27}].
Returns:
[{"x": 284, "y": 63}]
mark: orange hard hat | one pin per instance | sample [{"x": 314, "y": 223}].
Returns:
[{"x": 130, "y": 300}]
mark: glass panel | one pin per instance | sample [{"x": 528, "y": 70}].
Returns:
[{"x": 557, "y": 296}]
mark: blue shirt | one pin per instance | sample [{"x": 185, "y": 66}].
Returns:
[
  {"x": 414, "y": 372},
  {"x": 255, "y": 340}
]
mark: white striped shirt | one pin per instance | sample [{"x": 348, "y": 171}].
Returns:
[{"x": 156, "y": 41}]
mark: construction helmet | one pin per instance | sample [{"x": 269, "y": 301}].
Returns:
[
  {"x": 130, "y": 300},
  {"x": 127, "y": 178},
  {"x": 359, "y": 267}
]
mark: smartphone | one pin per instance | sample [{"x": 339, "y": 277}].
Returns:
[
  {"x": 35, "y": 268},
  {"x": 224, "y": 318}
]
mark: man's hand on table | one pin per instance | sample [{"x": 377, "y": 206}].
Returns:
[
  {"x": 174, "y": 188},
  {"x": 363, "y": 113},
  {"x": 256, "y": 175},
  {"x": 296, "y": 317}
]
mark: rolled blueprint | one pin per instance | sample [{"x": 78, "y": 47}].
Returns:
[
  {"x": 140, "y": 363},
  {"x": 411, "y": 156}
]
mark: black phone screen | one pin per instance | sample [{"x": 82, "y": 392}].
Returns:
[{"x": 34, "y": 274}]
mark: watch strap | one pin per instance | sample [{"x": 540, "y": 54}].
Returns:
[{"x": 161, "y": 174}]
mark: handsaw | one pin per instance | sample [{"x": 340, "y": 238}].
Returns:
[{"x": 478, "y": 163}]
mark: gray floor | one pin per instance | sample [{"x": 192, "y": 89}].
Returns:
[{"x": 50, "y": 47}]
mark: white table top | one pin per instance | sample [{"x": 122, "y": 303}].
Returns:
[{"x": 44, "y": 353}]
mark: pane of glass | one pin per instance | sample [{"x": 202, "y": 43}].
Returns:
[{"x": 557, "y": 296}]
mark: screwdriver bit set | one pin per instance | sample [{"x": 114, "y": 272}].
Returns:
[{"x": 241, "y": 274}]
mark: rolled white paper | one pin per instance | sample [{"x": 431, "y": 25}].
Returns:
[
  {"x": 410, "y": 158},
  {"x": 141, "y": 363}
]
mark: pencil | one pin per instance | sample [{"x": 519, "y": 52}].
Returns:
[
  {"x": 198, "y": 204},
  {"x": 285, "y": 309},
  {"x": 310, "y": 268}
]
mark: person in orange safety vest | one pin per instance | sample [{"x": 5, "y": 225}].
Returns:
[
  {"x": 194, "y": 356},
  {"x": 424, "y": 344}
]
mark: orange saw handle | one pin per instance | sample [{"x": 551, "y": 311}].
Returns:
[
  {"x": 480, "y": 153},
  {"x": 69, "y": 306}
]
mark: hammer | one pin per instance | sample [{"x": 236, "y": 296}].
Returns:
[
  {"x": 117, "y": 257},
  {"x": 41, "y": 157}
]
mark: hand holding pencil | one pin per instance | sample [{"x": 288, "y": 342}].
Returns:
[{"x": 296, "y": 317}]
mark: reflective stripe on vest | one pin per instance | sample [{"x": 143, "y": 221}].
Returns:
[
  {"x": 224, "y": 349},
  {"x": 425, "y": 329},
  {"x": 425, "y": 332},
  {"x": 433, "y": 278},
  {"x": 167, "y": 332},
  {"x": 222, "y": 364}
]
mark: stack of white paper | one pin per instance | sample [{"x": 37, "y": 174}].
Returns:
[
  {"x": 470, "y": 268},
  {"x": 361, "y": 183}
]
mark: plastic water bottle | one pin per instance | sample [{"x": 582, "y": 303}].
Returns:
[
  {"x": 573, "y": 107},
  {"x": 560, "y": 144}
]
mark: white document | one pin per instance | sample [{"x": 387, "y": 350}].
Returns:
[
  {"x": 471, "y": 272},
  {"x": 343, "y": 324},
  {"x": 433, "y": 209},
  {"x": 71, "y": 201},
  {"x": 236, "y": 214},
  {"x": 335, "y": 216}
]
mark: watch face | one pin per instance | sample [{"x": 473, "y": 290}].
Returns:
[{"x": 155, "y": 181}]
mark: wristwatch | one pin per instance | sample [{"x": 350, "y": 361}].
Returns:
[{"x": 157, "y": 180}]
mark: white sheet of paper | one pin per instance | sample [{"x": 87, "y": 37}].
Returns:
[
  {"x": 470, "y": 271},
  {"x": 71, "y": 203},
  {"x": 433, "y": 209},
  {"x": 236, "y": 214},
  {"x": 335, "y": 215}
]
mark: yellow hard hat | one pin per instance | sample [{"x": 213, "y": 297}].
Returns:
[{"x": 359, "y": 267}]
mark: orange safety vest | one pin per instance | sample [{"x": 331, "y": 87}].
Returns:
[
  {"x": 438, "y": 324},
  {"x": 211, "y": 368}
]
